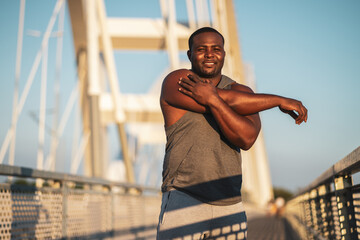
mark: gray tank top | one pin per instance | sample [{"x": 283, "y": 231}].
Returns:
[{"x": 200, "y": 161}]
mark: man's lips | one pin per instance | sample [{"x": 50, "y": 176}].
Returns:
[{"x": 209, "y": 64}]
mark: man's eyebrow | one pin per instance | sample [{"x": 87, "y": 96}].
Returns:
[{"x": 203, "y": 45}]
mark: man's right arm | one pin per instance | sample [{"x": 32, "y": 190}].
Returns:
[
  {"x": 171, "y": 95},
  {"x": 173, "y": 103}
]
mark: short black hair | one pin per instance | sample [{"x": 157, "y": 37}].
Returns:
[{"x": 203, "y": 30}]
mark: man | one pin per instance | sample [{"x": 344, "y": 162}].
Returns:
[{"x": 208, "y": 119}]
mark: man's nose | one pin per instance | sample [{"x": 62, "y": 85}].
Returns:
[{"x": 209, "y": 53}]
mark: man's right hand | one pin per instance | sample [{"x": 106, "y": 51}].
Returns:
[{"x": 202, "y": 91}]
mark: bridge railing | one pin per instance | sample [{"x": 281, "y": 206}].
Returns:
[
  {"x": 66, "y": 206},
  {"x": 329, "y": 208}
]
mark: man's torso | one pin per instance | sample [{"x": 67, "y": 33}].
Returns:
[{"x": 200, "y": 161}]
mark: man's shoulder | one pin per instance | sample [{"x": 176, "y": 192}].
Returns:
[
  {"x": 170, "y": 82},
  {"x": 235, "y": 85},
  {"x": 177, "y": 74},
  {"x": 173, "y": 103}
]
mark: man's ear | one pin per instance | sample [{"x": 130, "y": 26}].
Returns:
[{"x": 189, "y": 54}]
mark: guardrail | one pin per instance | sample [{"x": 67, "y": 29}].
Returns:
[
  {"x": 65, "y": 206},
  {"x": 329, "y": 208}
]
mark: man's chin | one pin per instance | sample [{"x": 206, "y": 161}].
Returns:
[
  {"x": 204, "y": 73},
  {"x": 207, "y": 74}
]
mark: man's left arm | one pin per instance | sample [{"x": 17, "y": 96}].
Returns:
[
  {"x": 239, "y": 129},
  {"x": 244, "y": 101}
]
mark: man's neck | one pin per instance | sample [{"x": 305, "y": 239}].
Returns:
[{"x": 213, "y": 80}]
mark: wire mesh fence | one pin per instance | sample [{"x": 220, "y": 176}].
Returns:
[{"x": 73, "y": 207}]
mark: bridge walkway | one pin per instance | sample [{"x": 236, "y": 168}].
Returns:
[
  {"x": 271, "y": 228},
  {"x": 264, "y": 227}
]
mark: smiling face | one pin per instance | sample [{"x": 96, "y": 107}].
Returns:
[{"x": 207, "y": 55}]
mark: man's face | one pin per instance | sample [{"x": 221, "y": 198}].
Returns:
[{"x": 207, "y": 54}]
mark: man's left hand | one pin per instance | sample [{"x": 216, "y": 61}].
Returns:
[{"x": 295, "y": 109}]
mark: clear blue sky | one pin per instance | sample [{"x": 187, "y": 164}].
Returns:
[{"x": 309, "y": 50}]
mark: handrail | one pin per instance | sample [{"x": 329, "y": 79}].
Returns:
[
  {"x": 328, "y": 207},
  {"x": 25, "y": 172}
]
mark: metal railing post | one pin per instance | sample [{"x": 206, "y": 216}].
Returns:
[
  {"x": 344, "y": 199},
  {"x": 312, "y": 212},
  {"x": 112, "y": 196},
  {"x": 308, "y": 212},
  {"x": 64, "y": 209},
  {"x": 315, "y": 210},
  {"x": 302, "y": 210},
  {"x": 327, "y": 227},
  {"x": 305, "y": 216}
]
